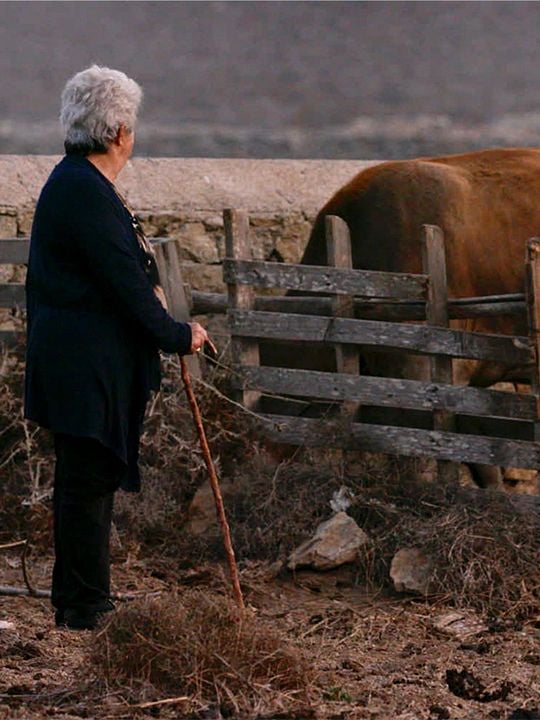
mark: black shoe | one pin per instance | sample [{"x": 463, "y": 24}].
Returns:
[{"x": 81, "y": 619}]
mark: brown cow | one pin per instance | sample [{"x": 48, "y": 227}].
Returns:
[{"x": 488, "y": 205}]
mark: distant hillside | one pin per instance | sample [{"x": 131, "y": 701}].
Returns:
[{"x": 283, "y": 79}]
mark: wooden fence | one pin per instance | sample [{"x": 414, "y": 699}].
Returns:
[
  {"x": 349, "y": 311},
  {"x": 14, "y": 251},
  {"x": 253, "y": 321}
]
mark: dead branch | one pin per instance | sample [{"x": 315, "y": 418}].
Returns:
[
  {"x": 26, "y": 574},
  {"x": 15, "y": 544},
  {"x": 165, "y": 701},
  {"x": 36, "y": 592},
  {"x": 9, "y": 590}
]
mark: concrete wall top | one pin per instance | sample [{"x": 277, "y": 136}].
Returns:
[{"x": 175, "y": 184}]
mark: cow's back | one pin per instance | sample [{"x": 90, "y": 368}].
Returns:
[{"x": 487, "y": 204}]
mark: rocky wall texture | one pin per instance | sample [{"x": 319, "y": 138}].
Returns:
[{"x": 184, "y": 199}]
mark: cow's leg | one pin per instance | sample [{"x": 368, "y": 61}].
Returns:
[
  {"x": 491, "y": 476},
  {"x": 521, "y": 480},
  {"x": 486, "y": 476}
]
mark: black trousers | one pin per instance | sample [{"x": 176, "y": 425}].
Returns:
[{"x": 86, "y": 476}]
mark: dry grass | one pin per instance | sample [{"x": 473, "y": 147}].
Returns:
[
  {"x": 25, "y": 468},
  {"x": 173, "y": 467},
  {"x": 485, "y": 546},
  {"x": 200, "y": 647}
]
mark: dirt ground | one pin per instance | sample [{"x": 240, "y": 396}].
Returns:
[{"x": 378, "y": 656}]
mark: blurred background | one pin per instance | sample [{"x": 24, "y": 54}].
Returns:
[{"x": 283, "y": 79}]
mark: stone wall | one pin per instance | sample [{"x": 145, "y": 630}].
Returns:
[{"x": 184, "y": 199}]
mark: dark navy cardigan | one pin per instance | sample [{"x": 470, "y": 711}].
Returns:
[{"x": 94, "y": 323}]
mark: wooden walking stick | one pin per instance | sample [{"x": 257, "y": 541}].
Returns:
[{"x": 214, "y": 482}]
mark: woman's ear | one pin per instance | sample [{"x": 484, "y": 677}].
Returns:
[{"x": 121, "y": 135}]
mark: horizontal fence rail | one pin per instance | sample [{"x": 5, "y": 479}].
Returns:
[
  {"x": 387, "y": 392},
  {"x": 205, "y": 303},
  {"x": 14, "y": 251},
  {"x": 11, "y": 337},
  {"x": 403, "y": 441},
  {"x": 420, "y": 339},
  {"x": 12, "y": 295},
  {"x": 358, "y": 311},
  {"x": 324, "y": 279}
]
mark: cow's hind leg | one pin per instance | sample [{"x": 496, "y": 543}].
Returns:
[{"x": 486, "y": 476}]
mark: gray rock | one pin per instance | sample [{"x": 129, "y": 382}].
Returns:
[
  {"x": 336, "y": 541},
  {"x": 411, "y": 570},
  {"x": 202, "y": 510},
  {"x": 459, "y": 625},
  {"x": 8, "y": 224},
  {"x": 195, "y": 244},
  {"x": 203, "y": 277}
]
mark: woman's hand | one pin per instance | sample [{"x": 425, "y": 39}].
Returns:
[{"x": 198, "y": 337}]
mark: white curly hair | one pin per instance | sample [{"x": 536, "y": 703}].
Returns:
[{"x": 95, "y": 102}]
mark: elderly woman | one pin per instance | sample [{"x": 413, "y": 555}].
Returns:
[{"x": 95, "y": 325}]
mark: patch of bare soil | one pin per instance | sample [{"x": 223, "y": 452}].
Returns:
[
  {"x": 373, "y": 656},
  {"x": 355, "y": 649}
]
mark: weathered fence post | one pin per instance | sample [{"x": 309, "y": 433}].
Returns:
[
  {"x": 434, "y": 266},
  {"x": 338, "y": 247},
  {"x": 170, "y": 274},
  {"x": 241, "y": 297},
  {"x": 532, "y": 297},
  {"x": 532, "y": 294}
]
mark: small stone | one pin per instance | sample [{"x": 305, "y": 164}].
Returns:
[
  {"x": 202, "y": 510},
  {"x": 25, "y": 219},
  {"x": 213, "y": 222},
  {"x": 6, "y": 273},
  {"x": 411, "y": 571},
  {"x": 459, "y": 625},
  {"x": 6, "y": 625},
  {"x": 8, "y": 226},
  {"x": 207, "y": 278},
  {"x": 292, "y": 238},
  {"x": 336, "y": 541},
  {"x": 196, "y": 244}
]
